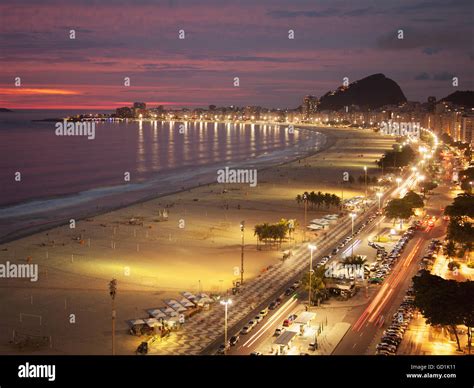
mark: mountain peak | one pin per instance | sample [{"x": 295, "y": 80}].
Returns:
[{"x": 370, "y": 92}]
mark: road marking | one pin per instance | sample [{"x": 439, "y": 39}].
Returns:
[{"x": 276, "y": 316}]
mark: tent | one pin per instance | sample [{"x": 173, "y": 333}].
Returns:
[
  {"x": 156, "y": 313},
  {"x": 169, "y": 311},
  {"x": 175, "y": 305},
  {"x": 153, "y": 322},
  {"x": 187, "y": 303}
]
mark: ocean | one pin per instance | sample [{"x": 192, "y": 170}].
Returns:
[{"x": 66, "y": 176}]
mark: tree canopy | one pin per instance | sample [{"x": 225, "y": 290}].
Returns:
[{"x": 445, "y": 302}]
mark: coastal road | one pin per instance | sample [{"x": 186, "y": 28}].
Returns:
[
  {"x": 368, "y": 321},
  {"x": 298, "y": 264}
]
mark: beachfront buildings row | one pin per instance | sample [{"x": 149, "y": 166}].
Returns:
[{"x": 442, "y": 117}]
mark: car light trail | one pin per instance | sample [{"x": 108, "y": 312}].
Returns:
[{"x": 371, "y": 313}]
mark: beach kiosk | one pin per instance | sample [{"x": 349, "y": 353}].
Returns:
[
  {"x": 304, "y": 320},
  {"x": 283, "y": 342}
]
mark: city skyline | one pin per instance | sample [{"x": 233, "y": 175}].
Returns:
[{"x": 332, "y": 40}]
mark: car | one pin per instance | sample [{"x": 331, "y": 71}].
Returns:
[
  {"x": 296, "y": 284},
  {"x": 258, "y": 318},
  {"x": 289, "y": 291},
  {"x": 256, "y": 354},
  {"x": 384, "y": 345},
  {"x": 393, "y": 332},
  {"x": 376, "y": 280},
  {"x": 287, "y": 322},
  {"x": 222, "y": 348},
  {"x": 264, "y": 312},
  {"x": 278, "y": 331},
  {"x": 272, "y": 306},
  {"x": 278, "y": 300},
  {"x": 234, "y": 339},
  {"x": 251, "y": 323},
  {"x": 245, "y": 330},
  {"x": 383, "y": 352},
  {"x": 334, "y": 251},
  {"x": 390, "y": 341}
]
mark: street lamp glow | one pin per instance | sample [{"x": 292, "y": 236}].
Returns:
[
  {"x": 353, "y": 216},
  {"x": 311, "y": 247},
  {"x": 398, "y": 180},
  {"x": 226, "y": 304}
]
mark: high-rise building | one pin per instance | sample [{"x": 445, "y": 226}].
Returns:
[
  {"x": 310, "y": 104},
  {"x": 467, "y": 128}
]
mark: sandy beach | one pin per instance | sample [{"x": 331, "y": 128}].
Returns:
[{"x": 196, "y": 248}]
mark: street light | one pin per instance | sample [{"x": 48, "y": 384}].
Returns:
[
  {"x": 353, "y": 216},
  {"x": 305, "y": 199},
  {"x": 242, "y": 229},
  {"x": 365, "y": 173},
  {"x": 379, "y": 196},
  {"x": 398, "y": 180},
  {"x": 311, "y": 248},
  {"x": 113, "y": 292},
  {"x": 225, "y": 303}
]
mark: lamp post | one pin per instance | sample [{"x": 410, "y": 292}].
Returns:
[
  {"x": 311, "y": 248},
  {"x": 305, "y": 199},
  {"x": 242, "y": 229},
  {"x": 365, "y": 173},
  {"x": 113, "y": 292},
  {"x": 379, "y": 196},
  {"x": 226, "y": 304},
  {"x": 352, "y": 215}
]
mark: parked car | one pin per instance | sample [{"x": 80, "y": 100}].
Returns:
[
  {"x": 222, "y": 348},
  {"x": 296, "y": 284},
  {"x": 234, "y": 339},
  {"x": 287, "y": 322},
  {"x": 289, "y": 291},
  {"x": 245, "y": 330},
  {"x": 264, "y": 312},
  {"x": 278, "y": 331}
]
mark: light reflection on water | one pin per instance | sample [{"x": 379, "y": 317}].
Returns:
[{"x": 53, "y": 165}]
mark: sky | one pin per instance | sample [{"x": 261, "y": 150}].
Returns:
[{"x": 223, "y": 39}]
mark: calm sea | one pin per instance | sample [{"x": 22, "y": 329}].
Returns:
[{"x": 60, "y": 172}]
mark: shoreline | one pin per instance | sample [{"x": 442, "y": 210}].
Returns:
[
  {"x": 155, "y": 261},
  {"x": 329, "y": 141}
]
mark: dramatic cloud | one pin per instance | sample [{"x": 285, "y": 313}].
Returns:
[{"x": 333, "y": 39}]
